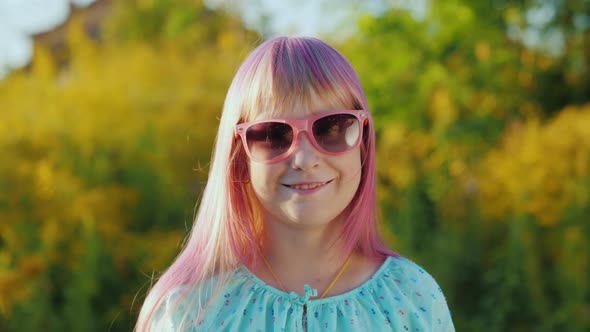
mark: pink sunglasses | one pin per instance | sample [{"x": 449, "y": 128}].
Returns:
[{"x": 332, "y": 133}]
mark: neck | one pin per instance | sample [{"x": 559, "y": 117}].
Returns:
[
  {"x": 304, "y": 254},
  {"x": 298, "y": 244}
]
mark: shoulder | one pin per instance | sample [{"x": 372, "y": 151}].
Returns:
[
  {"x": 414, "y": 285},
  {"x": 411, "y": 278},
  {"x": 409, "y": 271},
  {"x": 166, "y": 316},
  {"x": 187, "y": 306}
]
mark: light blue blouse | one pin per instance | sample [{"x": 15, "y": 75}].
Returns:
[{"x": 400, "y": 296}]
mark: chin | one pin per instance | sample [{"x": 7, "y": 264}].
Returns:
[{"x": 308, "y": 219}]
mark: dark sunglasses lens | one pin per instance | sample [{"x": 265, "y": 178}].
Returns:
[
  {"x": 337, "y": 133},
  {"x": 269, "y": 140}
]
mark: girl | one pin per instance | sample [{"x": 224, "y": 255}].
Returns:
[{"x": 285, "y": 238}]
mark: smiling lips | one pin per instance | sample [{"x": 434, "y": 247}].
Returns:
[{"x": 307, "y": 185}]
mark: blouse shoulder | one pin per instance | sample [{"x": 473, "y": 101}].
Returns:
[
  {"x": 180, "y": 307},
  {"x": 166, "y": 315},
  {"x": 417, "y": 284}
]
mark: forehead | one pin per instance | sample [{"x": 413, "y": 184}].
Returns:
[{"x": 312, "y": 103}]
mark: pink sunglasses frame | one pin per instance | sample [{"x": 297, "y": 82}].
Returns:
[{"x": 301, "y": 125}]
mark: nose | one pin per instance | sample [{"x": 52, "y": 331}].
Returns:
[{"x": 306, "y": 156}]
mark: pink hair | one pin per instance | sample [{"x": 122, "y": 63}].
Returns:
[{"x": 276, "y": 76}]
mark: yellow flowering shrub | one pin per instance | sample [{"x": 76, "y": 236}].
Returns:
[
  {"x": 102, "y": 163},
  {"x": 539, "y": 169}
]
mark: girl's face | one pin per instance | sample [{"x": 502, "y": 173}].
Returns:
[{"x": 309, "y": 188}]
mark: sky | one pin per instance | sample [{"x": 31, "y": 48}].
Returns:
[
  {"x": 312, "y": 17},
  {"x": 20, "y": 19}
]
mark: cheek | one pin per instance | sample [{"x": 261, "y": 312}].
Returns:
[
  {"x": 257, "y": 178},
  {"x": 351, "y": 167},
  {"x": 351, "y": 174},
  {"x": 261, "y": 178}
]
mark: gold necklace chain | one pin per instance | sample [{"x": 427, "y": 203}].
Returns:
[{"x": 325, "y": 292}]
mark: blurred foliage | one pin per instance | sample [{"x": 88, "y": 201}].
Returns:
[
  {"x": 483, "y": 157},
  {"x": 102, "y": 161}
]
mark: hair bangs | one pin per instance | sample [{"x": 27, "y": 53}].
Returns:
[{"x": 299, "y": 76}]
